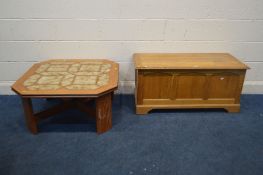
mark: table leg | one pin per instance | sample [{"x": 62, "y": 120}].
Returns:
[
  {"x": 29, "y": 115},
  {"x": 104, "y": 113}
]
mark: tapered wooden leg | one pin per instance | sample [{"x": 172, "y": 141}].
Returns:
[
  {"x": 29, "y": 115},
  {"x": 104, "y": 113}
]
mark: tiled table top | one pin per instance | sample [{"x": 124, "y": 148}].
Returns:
[{"x": 76, "y": 76}]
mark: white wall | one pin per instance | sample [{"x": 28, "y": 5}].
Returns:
[{"x": 35, "y": 30}]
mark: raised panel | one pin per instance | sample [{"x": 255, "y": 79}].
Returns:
[
  {"x": 223, "y": 86},
  {"x": 190, "y": 86},
  {"x": 157, "y": 85}
]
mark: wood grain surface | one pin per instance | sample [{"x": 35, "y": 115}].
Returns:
[
  {"x": 104, "y": 113},
  {"x": 187, "y": 61}
]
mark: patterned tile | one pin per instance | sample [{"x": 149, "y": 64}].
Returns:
[{"x": 73, "y": 75}]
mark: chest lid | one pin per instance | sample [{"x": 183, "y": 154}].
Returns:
[{"x": 187, "y": 61}]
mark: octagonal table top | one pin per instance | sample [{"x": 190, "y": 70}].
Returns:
[{"x": 68, "y": 77}]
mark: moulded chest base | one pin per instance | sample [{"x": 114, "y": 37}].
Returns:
[{"x": 145, "y": 109}]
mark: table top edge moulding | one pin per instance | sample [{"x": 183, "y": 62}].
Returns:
[
  {"x": 68, "y": 77},
  {"x": 187, "y": 61}
]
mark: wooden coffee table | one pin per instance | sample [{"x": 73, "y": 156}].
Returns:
[{"x": 76, "y": 82}]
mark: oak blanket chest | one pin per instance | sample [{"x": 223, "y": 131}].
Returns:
[{"x": 199, "y": 80}]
